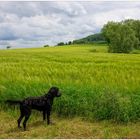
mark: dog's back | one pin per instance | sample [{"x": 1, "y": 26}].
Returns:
[{"x": 38, "y": 103}]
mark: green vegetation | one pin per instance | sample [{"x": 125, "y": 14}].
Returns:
[
  {"x": 123, "y": 36},
  {"x": 91, "y": 39},
  {"x": 95, "y": 84},
  {"x": 61, "y": 44},
  {"x": 8, "y": 47},
  {"x": 95, "y": 38},
  {"x": 46, "y": 46}
]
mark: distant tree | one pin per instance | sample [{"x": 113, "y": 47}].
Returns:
[
  {"x": 109, "y": 31},
  {"x": 80, "y": 41},
  {"x": 69, "y": 43},
  {"x": 60, "y": 44},
  {"x": 95, "y": 38},
  {"x": 46, "y": 46},
  {"x": 135, "y": 25},
  {"x": 120, "y": 37},
  {"x": 8, "y": 47}
]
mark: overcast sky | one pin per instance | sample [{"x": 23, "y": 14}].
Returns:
[{"x": 33, "y": 24}]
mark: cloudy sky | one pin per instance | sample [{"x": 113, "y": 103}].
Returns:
[{"x": 33, "y": 24}]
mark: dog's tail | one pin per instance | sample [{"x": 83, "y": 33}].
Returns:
[{"x": 13, "y": 102}]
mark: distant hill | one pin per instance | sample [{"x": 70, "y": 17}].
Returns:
[{"x": 95, "y": 38}]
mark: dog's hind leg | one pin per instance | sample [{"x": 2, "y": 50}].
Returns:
[
  {"x": 20, "y": 119},
  {"x": 27, "y": 115}
]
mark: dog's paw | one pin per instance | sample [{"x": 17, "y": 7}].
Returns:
[{"x": 19, "y": 127}]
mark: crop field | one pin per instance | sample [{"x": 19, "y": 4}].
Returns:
[{"x": 95, "y": 85}]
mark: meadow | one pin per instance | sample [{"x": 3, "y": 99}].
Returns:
[{"x": 96, "y": 85}]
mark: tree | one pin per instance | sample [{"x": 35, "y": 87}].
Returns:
[
  {"x": 8, "y": 47},
  {"x": 61, "y": 44},
  {"x": 46, "y": 46},
  {"x": 121, "y": 37},
  {"x": 69, "y": 43},
  {"x": 135, "y": 25},
  {"x": 127, "y": 39}
]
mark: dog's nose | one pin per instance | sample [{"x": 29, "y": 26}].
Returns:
[{"x": 59, "y": 94}]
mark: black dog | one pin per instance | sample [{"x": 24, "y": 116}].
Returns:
[{"x": 42, "y": 103}]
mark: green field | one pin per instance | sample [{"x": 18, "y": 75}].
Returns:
[{"x": 96, "y": 85}]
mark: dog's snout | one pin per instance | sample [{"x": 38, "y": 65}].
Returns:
[{"x": 59, "y": 94}]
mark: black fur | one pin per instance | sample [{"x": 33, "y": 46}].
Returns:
[{"x": 43, "y": 103}]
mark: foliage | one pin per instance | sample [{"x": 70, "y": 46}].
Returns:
[
  {"x": 122, "y": 37},
  {"x": 135, "y": 25},
  {"x": 90, "y": 39},
  {"x": 8, "y": 47},
  {"x": 69, "y": 43},
  {"x": 46, "y": 46},
  {"x": 61, "y": 44}
]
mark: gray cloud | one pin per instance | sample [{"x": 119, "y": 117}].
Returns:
[{"x": 33, "y": 24}]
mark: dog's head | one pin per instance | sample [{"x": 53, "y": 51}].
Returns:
[{"x": 54, "y": 92}]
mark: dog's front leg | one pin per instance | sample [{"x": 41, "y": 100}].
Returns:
[{"x": 48, "y": 117}]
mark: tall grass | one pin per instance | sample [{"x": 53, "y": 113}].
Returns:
[{"x": 94, "y": 84}]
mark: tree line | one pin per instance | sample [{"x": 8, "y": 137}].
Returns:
[{"x": 95, "y": 38}]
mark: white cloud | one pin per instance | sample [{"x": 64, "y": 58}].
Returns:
[{"x": 31, "y": 24}]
